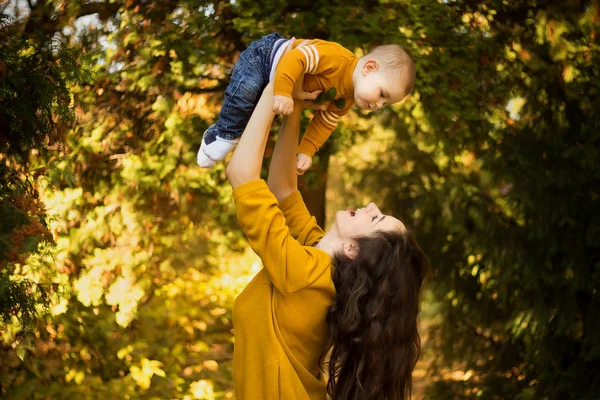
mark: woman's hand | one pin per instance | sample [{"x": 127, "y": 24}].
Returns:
[
  {"x": 302, "y": 104},
  {"x": 298, "y": 93},
  {"x": 305, "y": 99}
]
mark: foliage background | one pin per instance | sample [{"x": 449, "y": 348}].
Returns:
[{"x": 121, "y": 259}]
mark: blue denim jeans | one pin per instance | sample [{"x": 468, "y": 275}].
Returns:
[{"x": 248, "y": 79}]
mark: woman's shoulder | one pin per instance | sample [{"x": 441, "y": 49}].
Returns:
[{"x": 257, "y": 185}]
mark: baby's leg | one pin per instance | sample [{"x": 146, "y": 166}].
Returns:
[{"x": 241, "y": 96}]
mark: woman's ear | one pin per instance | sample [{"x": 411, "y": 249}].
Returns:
[{"x": 350, "y": 249}]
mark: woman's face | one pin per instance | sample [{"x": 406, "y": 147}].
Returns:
[{"x": 365, "y": 221}]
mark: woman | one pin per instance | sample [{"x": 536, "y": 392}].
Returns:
[{"x": 352, "y": 292}]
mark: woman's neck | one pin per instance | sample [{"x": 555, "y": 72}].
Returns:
[{"x": 330, "y": 243}]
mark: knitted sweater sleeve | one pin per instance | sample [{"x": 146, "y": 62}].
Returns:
[{"x": 291, "y": 265}]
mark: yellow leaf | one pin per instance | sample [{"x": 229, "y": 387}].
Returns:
[
  {"x": 211, "y": 365},
  {"x": 124, "y": 351},
  {"x": 202, "y": 389},
  {"x": 143, "y": 375}
]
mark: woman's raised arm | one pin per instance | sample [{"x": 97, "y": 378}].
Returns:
[
  {"x": 247, "y": 157},
  {"x": 283, "y": 179}
]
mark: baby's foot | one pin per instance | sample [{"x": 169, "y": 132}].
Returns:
[
  {"x": 202, "y": 159},
  {"x": 209, "y": 154}
]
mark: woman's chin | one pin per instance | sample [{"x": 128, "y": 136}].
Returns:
[
  {"x": 339, "y": 217},
  {"x": 343, "y": 214}
]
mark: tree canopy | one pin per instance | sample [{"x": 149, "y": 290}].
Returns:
[{"x": 120, "y": 258}]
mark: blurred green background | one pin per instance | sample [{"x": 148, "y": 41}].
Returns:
[{"x": 120, "y": 259}]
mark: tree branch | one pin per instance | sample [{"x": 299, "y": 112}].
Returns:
[
  {"x": 43, "y": 18},
  {"x": 104, "y": 10}
]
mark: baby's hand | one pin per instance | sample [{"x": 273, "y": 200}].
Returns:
[
  {"x": 303, "y": 163},
  {"x": 283, "y": 105}
]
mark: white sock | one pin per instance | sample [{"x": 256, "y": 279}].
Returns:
[
  {"x": 202, "y": 159},
  {"x": 216, "y": 151}
]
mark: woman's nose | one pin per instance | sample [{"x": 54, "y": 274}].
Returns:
[{"x": 371, "y": 207}]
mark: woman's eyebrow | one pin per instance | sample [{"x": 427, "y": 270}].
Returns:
[{"x": 380, "y": 219}]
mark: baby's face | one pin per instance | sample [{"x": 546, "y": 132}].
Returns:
[{"x": 375, "y": 87}]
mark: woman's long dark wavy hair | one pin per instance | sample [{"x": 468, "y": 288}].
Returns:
[{"x": 373, "y": 337}]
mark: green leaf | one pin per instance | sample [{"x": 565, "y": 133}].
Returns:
[{"x": 340, "y": 103}]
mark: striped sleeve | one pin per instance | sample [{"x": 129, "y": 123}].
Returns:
[
  {"x": 307, "y": 59},
  {"x": 311, "y": 58},
  {"x": 330, "y": 118},
  {"x": 320, "y": 128}
]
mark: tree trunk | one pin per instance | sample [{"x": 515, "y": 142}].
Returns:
[{"x": 314, "y": 185}]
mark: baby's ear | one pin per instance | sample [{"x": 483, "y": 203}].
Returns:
[{"x": 370, "y": 66}]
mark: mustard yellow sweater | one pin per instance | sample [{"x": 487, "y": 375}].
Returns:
[
  {"x": 279, "y": 318},
  {"x": 326, "y": 65}
]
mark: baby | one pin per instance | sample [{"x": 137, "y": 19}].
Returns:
[{"x": 384, "y": 76}]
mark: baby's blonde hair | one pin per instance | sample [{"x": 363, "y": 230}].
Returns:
[{"x": 397, "y": 61}]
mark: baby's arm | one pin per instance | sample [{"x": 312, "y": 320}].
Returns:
[
  {"x": 289, "y": 70},
  {"x": 304, "y": 59},
  {"x": 318, "y": 131}
]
